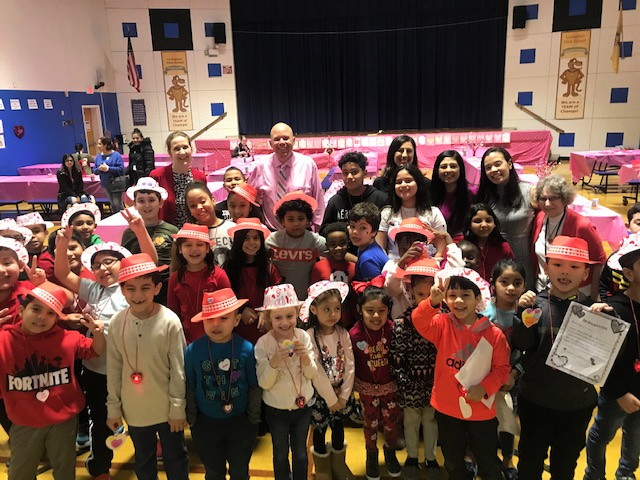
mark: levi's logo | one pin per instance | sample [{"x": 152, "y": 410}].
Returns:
[{"x": 294, "y": 254}]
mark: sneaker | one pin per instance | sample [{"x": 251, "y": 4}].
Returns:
[
  {"x": 511, "y": 473},
  {"x": 431, "y": 465},
  {"x": 411, "y": 470},
  {"x": 391, "y": 461},
  {"x": 82, "y": 440},
  {"x": 372, "y": 466},
  {"x": 471, "y": 468}
]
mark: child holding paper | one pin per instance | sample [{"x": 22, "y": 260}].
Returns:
[
  {"x": 619, "y": 399},
  {"x": 463, "y": 419},
  {"x": 555, "y": 408}
]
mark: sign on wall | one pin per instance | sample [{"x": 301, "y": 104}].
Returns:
[
  {"x": 138, "y": 112},
  {"x": 572, "y": 74},
  {"x": 176, "y": 81}
]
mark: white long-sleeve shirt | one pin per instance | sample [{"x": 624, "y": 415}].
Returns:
[
  {"x": 280, "y": 386},
  {"x": 160, "y": 358}
]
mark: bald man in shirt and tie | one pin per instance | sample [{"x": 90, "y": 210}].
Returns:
[{"x": 285, "y": 171}]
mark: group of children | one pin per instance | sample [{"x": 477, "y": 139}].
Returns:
[{"x": 283, "y": 326}]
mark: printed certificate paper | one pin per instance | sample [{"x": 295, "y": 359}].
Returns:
[{"x": 587, "y": 344}]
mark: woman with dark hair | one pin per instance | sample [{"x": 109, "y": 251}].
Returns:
[
  {"x": 409, "y": 198},
  {"x": 402, "y": 151},
  {"x": 450, "y": 190},
  {"x": 70, "y": 184},
  {"x": 141, "y": 157},
  {"x": 513, "y": 203},
  {"x": 176, "y": 177},
  {"x": 83, "y": 160},
  {"x": 110, "y": 165}
]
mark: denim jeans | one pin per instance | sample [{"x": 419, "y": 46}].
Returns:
[
  {"x": 289, "y": 427},
  {"x": 174, "y": 452},
  {"x": 609, "y": 418}
]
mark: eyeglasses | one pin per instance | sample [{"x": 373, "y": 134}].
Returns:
[
  {"x": 106, "y": 262},
  {"x": 551, "y": 198}
]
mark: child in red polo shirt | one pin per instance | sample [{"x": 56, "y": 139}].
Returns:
[
  {"x": 41, "y": 392},
  {"x": 464, "y": 421}
]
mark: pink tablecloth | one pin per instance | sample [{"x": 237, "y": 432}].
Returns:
[
  {"x": 581, "y": 163},
  {"x": 41, "y": 187},
  {"x": 609, "y": 223},
  {"x": 52, "y": 168},
  {"x": 628, "y": 172},
  {"x": 527, "y": 146}
]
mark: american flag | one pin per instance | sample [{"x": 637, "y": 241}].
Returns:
[{"x": 132, "y": 70}]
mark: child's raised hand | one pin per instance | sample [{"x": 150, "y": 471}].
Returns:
[
  {"x": 114, "y": 423},
  {"x": 279, "y": 357},
  {"x": 74, "y": 320},
  {"x": 438, "y": 290},
  {"x": 249, "y": 316},
  {"x": 414, "y": 252},
  {"x": 135, "y": 221},
  {"x": 527, "y": 299},
  {"x": 36, "y": 275},
  {"x": 600, "y": 307},
  {"x": 475, "y": 393},
  {"x": 302, "y": 351},
  {"x": 92, "y": 323},
  {"x": 63, "y": 237}
]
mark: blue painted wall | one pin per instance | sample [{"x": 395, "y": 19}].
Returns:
[{"x": 45, "y": 138}]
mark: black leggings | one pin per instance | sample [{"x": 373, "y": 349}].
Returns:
[{"x": 337, "y": 437}]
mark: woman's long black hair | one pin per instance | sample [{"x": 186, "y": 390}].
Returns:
[
  {"x": 236, "y": 260},
  {"x": 463, "y": 194},
  {"x": 488, "y": 191}
]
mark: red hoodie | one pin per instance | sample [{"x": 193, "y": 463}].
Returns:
[
  {"x": 32, "y": 363},
  {"x": 455, "y": 343}
]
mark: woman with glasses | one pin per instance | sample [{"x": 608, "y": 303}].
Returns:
[{"x": 554, "y": 195}]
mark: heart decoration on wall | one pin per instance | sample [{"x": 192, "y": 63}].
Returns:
[{"x": 18, "y": 130}]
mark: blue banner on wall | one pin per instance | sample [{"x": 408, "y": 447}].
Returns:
[{"x": 138, "y": 112}]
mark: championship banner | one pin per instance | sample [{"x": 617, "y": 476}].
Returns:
[
  {"x": 176, "y": 83},
  {"x": 572, "y": 74}
]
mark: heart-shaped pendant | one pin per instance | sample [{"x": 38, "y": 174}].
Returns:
[
  {"x": 301, "y": 401},
  {"x": 224, "y": 365},
  {"x": 42, "y": 395},
  {"x": 227, "y": 408},
  {"x": 636, "y": 366},
  {"x": 115, "y": 441},
  {"x": 531, "y": 316}
]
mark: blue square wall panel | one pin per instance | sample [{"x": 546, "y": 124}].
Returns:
[
  {"x": 614, "y": 139},
  {"x": 171, "y": 30},
  {"x": 525, "y": 98},
  {"x": 217, "y": 109},
  {"x": 208, "y": 30},
  {"x": 129, "y": 30},
  {"x": 566, "y": 139},
  {"x": 626, "y": 49},
  {"x": 528, "y": 55},
  {"x": 619, "y": 95},
  {"x": 628, "y": 4},
  {"x": 532, "y": 12},
  {"x": 215, "y": 69},
  {"x": 577, "y": 8}
]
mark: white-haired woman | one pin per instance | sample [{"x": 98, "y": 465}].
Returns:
[{"x": 554, "y": 195}]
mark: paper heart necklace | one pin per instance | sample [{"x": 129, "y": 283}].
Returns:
[
  {"x": 221, "y": 367},
  {"x": 136, "y": 375},
  {"x": 43, "y": 393},
  {"x": 115, "y": 441},
  {"x": 300, "y": 400},
  {"x": 636, "y": 362}
]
